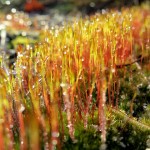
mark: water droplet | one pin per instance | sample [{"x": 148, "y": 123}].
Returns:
[
  {"x": 113, "y": 70},
  {"x": 9, "y": 17},
  {"x": 45, "y": 134},
  {"x": 19, "y": 55},
  {"x": 139, "y": 85},
  {"x": 92, "y": 4},
  {"x": 148, "y": 87},
  {"x": 114, "y": 138},
  {"x": 69, "y": 125},
  {"x": 103, "y": 11},
  {"x": 24, "y": 67},
  {"x": 55, "y": 134},
  {"x": 5, "y": 80},
  {"x": 22, "y": 142},
  {"x": 144, "y": 105},
  {"x": 80, "y": 77},
  {"x": 64, "y": 93},
  {"x": 54, "y": 142},
  {"x": 39, "y": 94},
  {"x": 40, "y": 79},
  {"x": 22, "y": 108},
  {"x": 148, "y": 143},
  {"x": 27, "y": 93},
  {"x": 11, "y": 126},
  {"x": 33, "y": 86},
  {"x": 13, "y": 10},
  {"x": 62, "y": 85}
]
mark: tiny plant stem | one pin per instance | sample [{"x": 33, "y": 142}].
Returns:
[
  {"x": 101, "y": 85},
  {"x": 132, "y": 103},
  {"x": 22, "y": 132},
  {"x": 89, "y": 99},
  {"x": 46, "y": 100},
  {"x": 1, "y": 138},
  {"x": 54, "y": 127},
  {"x": 67, "y": 103}
]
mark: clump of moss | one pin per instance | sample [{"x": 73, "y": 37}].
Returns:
[
  {"x": 121, "y": 134},
  {"x": 134, "y": 92},
  {"x": 64, "y": 79}
]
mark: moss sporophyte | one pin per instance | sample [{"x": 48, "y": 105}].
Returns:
[{"x": 68, "y": 77}]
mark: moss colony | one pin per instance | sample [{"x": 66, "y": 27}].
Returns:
[{"x": 84, "y": 86}]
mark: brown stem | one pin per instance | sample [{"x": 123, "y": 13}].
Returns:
[
  {"x": 132, "y": 102},
  {"x": 55, "y": 142}
]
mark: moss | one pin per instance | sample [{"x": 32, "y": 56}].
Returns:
[
  {"x": 127, "y": 137},
  {"x": 88, "y": 139},
  {"x": 134, "y": 91},
  {"x": 123, "y": 133}
]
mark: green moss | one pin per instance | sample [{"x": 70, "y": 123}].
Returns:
[
  {"x": 88, "y": 139},
  {"x": 122, "y": 133}
]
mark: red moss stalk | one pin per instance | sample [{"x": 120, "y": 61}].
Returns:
[
  {"x": 8, "y": 127},
  {"x": 54, "y": 125},
  {"x": 23, "y": 142},
  {"x": 101, "y": 91},
  {"x": 67, "y": 103},
  {"x": 1, "y": 138}
]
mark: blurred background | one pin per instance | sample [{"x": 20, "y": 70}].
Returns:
[{"x": 84, "y": 5}]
